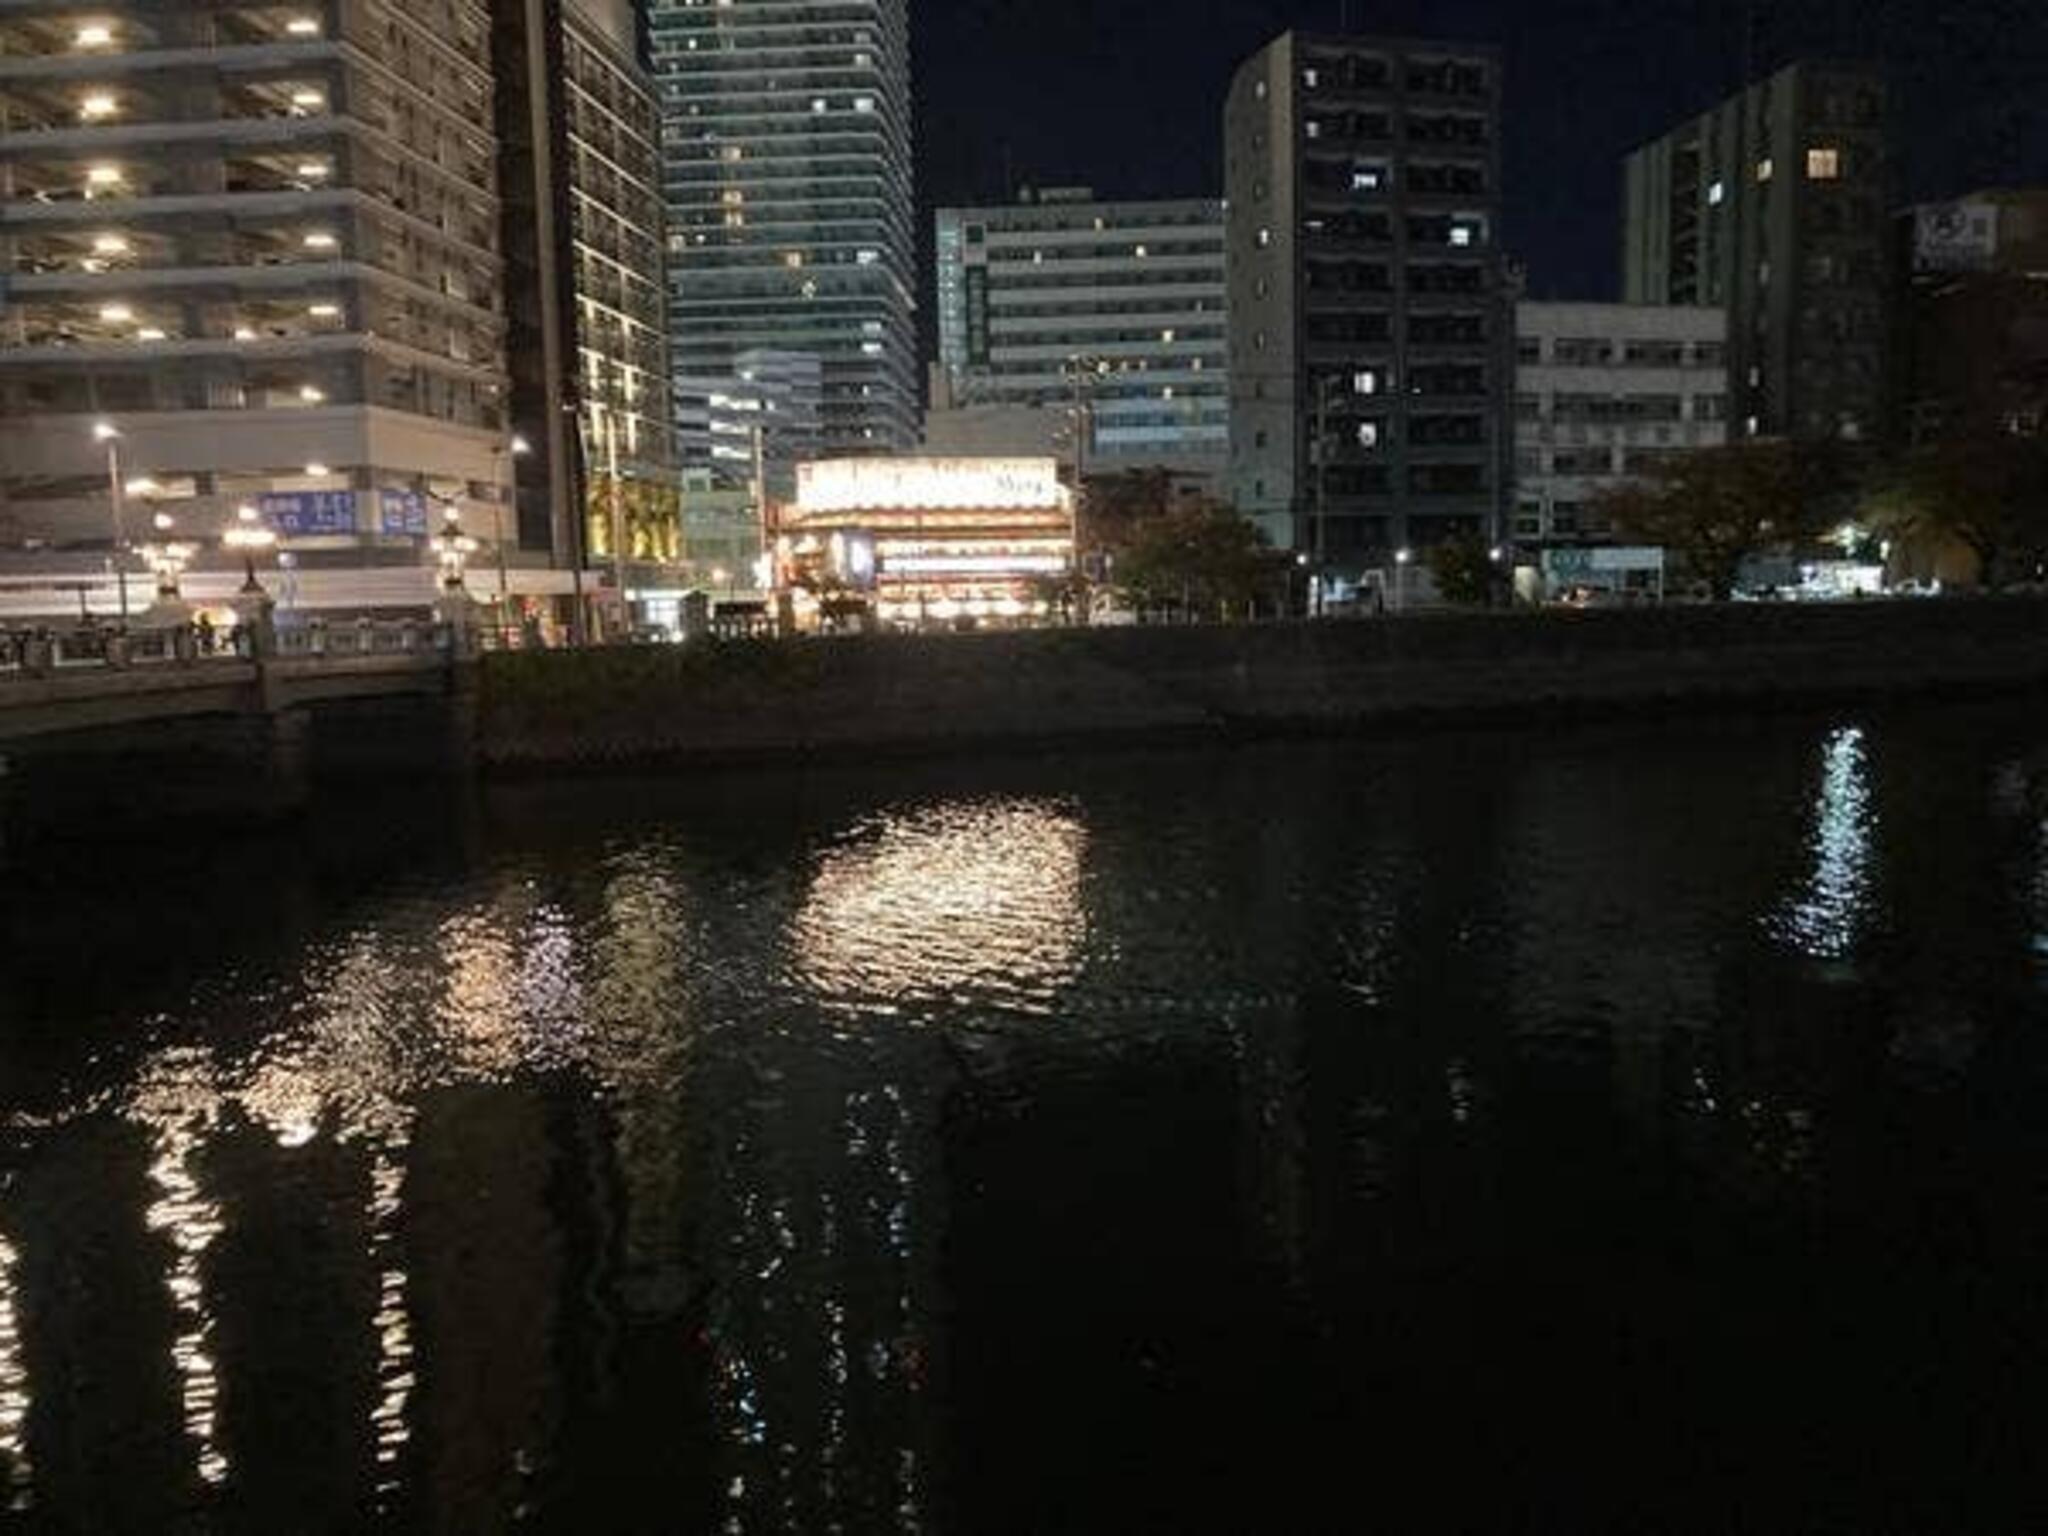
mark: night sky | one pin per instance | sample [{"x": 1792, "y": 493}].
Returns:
[{"x": 1126, "y": 95}]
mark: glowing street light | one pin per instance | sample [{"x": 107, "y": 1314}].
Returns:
[
  {"x": 248, "y": 536},
  {"x": 168, "y": 558},
  {"x": 515, "y": 447},
  {"x": 454, "y": 547}
]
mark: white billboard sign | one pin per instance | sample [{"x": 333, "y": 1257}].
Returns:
[
  {"x": 860, "y": 485},
  {"x": 1955, "y": 237}
]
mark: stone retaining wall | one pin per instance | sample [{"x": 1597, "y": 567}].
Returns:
[{"x": 773, "y": 700}]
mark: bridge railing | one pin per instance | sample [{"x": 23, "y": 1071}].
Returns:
[
  {"x": 50, "y": 652},
  {"x": 365, "y": 637}
]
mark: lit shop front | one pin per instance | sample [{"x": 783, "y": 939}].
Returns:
[{"x": 932, "y": 540}]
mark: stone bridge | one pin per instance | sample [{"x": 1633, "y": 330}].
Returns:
[{"x": 67, "y": 683}]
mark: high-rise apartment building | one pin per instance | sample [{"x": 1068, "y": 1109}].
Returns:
[
  {"x": 786, "y": 142},
  {"x": 1370, "y": 342},
  {"x": 1772, "y": 205},
  {"x": 260, "y": 243},
  {"x": 1120, "y": 302},
  {"x": 356, "y": 265},
  {"x": 762, "y": 419},
  {"x": 588, "y": 343}
]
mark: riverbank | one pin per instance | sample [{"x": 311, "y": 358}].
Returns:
[{"x": 894, "y": 694}]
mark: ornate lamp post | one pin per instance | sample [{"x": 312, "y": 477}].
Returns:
[
  {"x": 168, "y": 559},
  {"x": 505, "y": 456},
  {"x": 247, "y": 536},
  {"x": 453, "y": 547}
]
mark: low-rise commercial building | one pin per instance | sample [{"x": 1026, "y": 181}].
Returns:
[
  {"x": 933, "y": 541},
  {"x": 1601, "y": 391}
]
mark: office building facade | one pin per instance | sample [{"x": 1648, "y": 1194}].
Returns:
[
  {"x": 1971, "y": 325},
  {"x": 787, "y": 177},
  {"x": 1063, "y": 302},
  {"x": 777, "y": 395},
  {"x": 262, "y": 245},
  {"x": 1370, "y": 347},
  {"x": 1602, "y": 391},
  {"x": 1772, "y": 205}
]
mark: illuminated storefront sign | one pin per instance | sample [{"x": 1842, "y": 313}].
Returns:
[
  {"x": 973, "y": 565},
  {"x": 309, "y": 514},
  {"x": 847, "y": 485}
]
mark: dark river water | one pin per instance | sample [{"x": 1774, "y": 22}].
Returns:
[{"x": 1628, "y": 1128}]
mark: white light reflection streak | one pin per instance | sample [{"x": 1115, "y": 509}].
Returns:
[
  {"x": 14, "y": 1393},
  {"x": 1823, "y": 923},
  {"x": 393, "y": 1322},
  {"x": 178, "y": 1102}
]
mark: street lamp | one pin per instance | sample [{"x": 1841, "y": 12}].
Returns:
[
  {"x": 1403, "y": 557},
  {"x": 105, "y": 432},
  {"x": 515, "y": 447},
  {"x": 167, "y": 558},
  {"x": 454, "y": 548},
  {"x": 247, "y": 536}
]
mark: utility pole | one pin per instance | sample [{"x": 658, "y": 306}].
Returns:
[
  {"x": 1326, "y": 387},
  {"x": 106, "y": 432},
  {"x": 618, "y": 513},
  {"x": 760, "y": 445},
  {"x": 1082, "y": 372}
]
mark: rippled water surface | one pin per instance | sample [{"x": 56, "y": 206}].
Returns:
[{"x": 1630, "y": 1128}]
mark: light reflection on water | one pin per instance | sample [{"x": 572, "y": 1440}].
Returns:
[
  {"x": 824, "y": 1248},
  {"x": 977, "y": 898},
  {"x": 1833, "y": 909},
  {"x": 14, "y": 1389},
  {"x": 177, "y": 1102}
]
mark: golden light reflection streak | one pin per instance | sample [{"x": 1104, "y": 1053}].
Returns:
[
  {"x": 961, "y": 895},
  {"x": 14, "y": 1393},
  {"x": 179, "y": 1104}
]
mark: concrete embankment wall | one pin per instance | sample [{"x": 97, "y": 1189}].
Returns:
[{"x": 883, "y": 694}]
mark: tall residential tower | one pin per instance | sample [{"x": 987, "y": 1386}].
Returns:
[
  {"x": 1367, "y": 306},
  {"x": 1772, "y": 205},
  {"x": 786, "y": 142},
  {"x": 260, "y": 243}
]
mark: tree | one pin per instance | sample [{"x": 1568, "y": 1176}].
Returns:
[
  {"x": 1715, "y": 507},
  {"x": 1463, "y": 570},
  {"x": 1203, "y": 554},
  {"x": 1987, "y": 493}
]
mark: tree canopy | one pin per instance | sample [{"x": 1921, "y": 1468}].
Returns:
[
  {"x": 1200, "y": 553},
  {"x": 1987, "y": 493},
  {"x": 1463, "y": 569},
  {"x": 1715, "y": 507}
]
